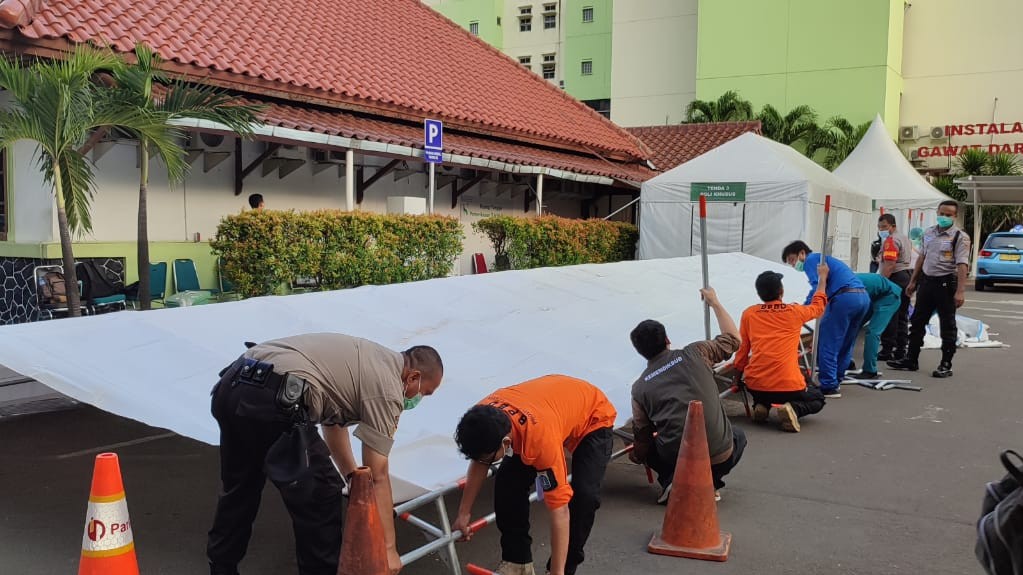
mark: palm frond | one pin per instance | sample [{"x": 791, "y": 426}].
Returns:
[
  {"x": 78, "y": 180},
  {"x": 971, "y": 162},
  {"x": 699, "y": 111},
  {"x": 184, "y": 100},
  {"x": 1002, "y": 164}
]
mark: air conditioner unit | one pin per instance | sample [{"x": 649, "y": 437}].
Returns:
[
  {"x": 938, "y": 133},
  {"x": 561, "y": 84},
  {"x": 914, "y": 156},
  {"x": 406, "y": 205},
  {"x": 211, "y": 140},
  {"x": 291, "y": 152},
  {"x": 907, "y": 133}
]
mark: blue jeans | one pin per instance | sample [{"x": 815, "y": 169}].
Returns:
[{"x": 839, "y": 327}]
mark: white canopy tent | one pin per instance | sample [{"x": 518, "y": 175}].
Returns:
[
  {"x": 762, "y": 195},
  {"x": 877, "y": 168},
  {"x": 492, "y": 330}
]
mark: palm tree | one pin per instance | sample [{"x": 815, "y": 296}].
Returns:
[
  {"x": 56, "y": 104},
  {"x": 971, "y": 162},
  {"x": 729, "y": 107},
  {"x": 799, "y": 125},
  {"x": 177, "y": 100},
  {"x": 837, "y": 139}
]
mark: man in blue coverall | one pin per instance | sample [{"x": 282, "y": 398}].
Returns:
[
  {"x": 848, "y": 304},
  {"x": 885, "y": 299}
]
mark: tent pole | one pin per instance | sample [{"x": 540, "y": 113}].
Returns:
[
  {"x": 824, "y": 254},
  {"x": 703, "y": 260},
  {"x": 978, "y": 217}
]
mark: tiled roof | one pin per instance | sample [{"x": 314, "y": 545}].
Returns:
[
  {"x": 397, "y": 58},
  {"x": 465, "y": 144},
  {"x": 677, "y": 144}
]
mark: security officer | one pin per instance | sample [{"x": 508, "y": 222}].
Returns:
[
  {"x": 268, "y": 403},
  {"x": 896, "y": 259},
  {"x": 939, "y": 280}
]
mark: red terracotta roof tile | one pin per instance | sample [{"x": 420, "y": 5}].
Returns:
[
  {"x": 394, "y": 53},
  {"x": 677, "y": 144},
  {"x": 403, "y": 134}
]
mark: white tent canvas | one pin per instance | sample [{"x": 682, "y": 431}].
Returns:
[
  {"x": 879, "y": 169},
  {"x": 492, "y": 330},
  {"x": 783, "y": 196}
]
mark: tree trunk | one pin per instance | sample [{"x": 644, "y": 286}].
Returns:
[
  {"x": 145, "y": 295},
  {"x": 68, "y": 256}
]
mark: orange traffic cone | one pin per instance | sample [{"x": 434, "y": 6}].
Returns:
[
  {"x": 363, "y": 549},
  {"x": 108, "y": 547},
  {"x": 690, "y": 526}
]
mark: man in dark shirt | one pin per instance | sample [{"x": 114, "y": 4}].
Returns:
[{"x": 661, "y": 396}]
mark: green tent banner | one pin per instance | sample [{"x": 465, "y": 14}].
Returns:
[{"x": 719, "y": 191}]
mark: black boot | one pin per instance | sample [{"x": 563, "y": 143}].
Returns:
[
  {"x": 905, "y": 364},
  {"x": 944, "y": 370},
  {"x": 886, "y": 355}
]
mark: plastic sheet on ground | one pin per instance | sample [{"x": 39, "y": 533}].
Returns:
[
  {"x": 492, "y": 330},
  {"x": 971, "y": 333}
]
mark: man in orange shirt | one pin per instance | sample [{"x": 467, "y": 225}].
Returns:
[
  {"x": 528, "y": 427},
  {"x": 768, "y": 356}
]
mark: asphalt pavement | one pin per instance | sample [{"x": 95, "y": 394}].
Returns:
[{"x": 879, "y": 482}]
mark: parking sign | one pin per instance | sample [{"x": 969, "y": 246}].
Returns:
[{"x": 433, "y": 135}]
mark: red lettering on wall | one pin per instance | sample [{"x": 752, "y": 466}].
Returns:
[{"x": 969, "y": 130}]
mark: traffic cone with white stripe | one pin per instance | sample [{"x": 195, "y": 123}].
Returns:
[{"x": 108, "y": 547}]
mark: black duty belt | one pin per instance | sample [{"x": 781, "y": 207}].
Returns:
[{"x": 287, "y": 389}]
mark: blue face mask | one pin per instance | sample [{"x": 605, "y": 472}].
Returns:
[
  {"x": 799, "y": 266},
  {"x": 883, "y": 235},
  {"x": 945, "y": 221}
]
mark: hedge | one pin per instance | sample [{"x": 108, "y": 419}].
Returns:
[
  {"x": 523, "y": 243},
  {"x": 262, "y": 249}
]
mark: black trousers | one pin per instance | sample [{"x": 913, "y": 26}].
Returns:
[
  {"x": 934, "y": 294},
  {"x": 511, "y": 500},
  {"x": 806, "y": 402},
  {"x": 895, "y": 338},
  {"x": 314, "y": 503},
  {"x": 663, "y": 459}
]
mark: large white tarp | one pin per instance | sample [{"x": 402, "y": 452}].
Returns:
[
  {"x": 492, "y": 330},
  {"x": 880, "y": 170},
  {"x": 784, "y": 201}
]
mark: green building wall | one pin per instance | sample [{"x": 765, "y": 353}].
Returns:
[
  {"x": 587, "y": 41},
  {"x": 486, "y": 12},
  {"x": 841, "y": 57}
]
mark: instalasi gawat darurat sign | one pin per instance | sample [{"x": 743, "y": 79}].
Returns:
[{"x": 953, "y": 131}]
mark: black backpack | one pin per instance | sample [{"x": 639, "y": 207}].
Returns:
[
  {"x": 1000, "y": 529},
  {"x": 97, "y": 282}
]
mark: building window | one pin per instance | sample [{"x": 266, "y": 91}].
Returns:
[
  {"x": 474, "y": 28},
  {"x": 526, "y": 11},
  {"x": 548, "y": 58},
  {"x": 587, "y": 67},
  {"x": 548, "y": 71},
  {"x": 550, "y": 21},
  {"x": 551, "y": 7},
  {"x": 603, "y": 107},
  {"x": 498, "y": 20},
  {"x": 588, "y": 14},
  {"x": 526, "y": 61},
  {"x": 4, "y": 205},
  {"x": 525, "y": 24}
]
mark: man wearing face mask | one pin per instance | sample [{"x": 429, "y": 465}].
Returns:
[
  {"x": 939, "y": 281},
  {"x": 528, "y": 427},
  {"x": 896, "y": 266},
  {"x": 268, "y": 404},
  {"x": 848, "y": 304}
]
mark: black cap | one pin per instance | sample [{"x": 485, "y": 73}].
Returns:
[{"x": 769, "y": 285}]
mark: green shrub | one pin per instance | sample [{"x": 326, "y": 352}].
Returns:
[
  {"x": 262, "y": 249},
  {"x": 553, "y": 241}
]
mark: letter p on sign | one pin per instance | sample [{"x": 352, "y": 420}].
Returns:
[{"x": 434, "y": 140}]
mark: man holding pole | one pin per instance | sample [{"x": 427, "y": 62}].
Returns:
[
  {"x": 528, "y": 427},
  {"x": 661, "y": 396},
  {"x": 848, "y": 304}
]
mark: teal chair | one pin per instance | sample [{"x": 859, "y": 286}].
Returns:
[
  {"x": 227, "y": 289},
  {"x": 157, "y": 284},
  {"x": 186, "y": 278}
]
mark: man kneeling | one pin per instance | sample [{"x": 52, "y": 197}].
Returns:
[
  {"x": 769, "y": 354},
  {"x": 661, "y": 396},
  {"x": 528, "y": 427}
]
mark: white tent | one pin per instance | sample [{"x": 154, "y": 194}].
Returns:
[
  {"x": 880, "y": 170},
  {"x": 762, "y": 195},
  {"x": 492, "y": 330}
]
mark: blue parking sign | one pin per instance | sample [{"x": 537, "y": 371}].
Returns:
[{"x": 433, "y": 135}]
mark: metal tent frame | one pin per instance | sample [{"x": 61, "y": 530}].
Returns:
[{"x": 989, "y": 191}]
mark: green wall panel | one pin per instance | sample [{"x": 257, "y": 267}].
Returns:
[{"x": 587, "y": 41}]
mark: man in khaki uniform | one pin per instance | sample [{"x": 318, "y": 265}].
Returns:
[
  {"x": 939, "y": 280},
  {"x": 268, "y": 403}
]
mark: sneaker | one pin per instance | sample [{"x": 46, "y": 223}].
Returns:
[
  {"x": 760, "y": 413},
  {"x": 904, "y": 365},
  {"x": 885, "y": 355},
  {"x": 509, "y": 568},
  {"x": 717, "y": 496},
  {"x": 944, "y": 370},
  {"x": 787, "y": 417},
  {"x": 662, "y": 499},
  {"x": 866, "y": 375},
  {"x": 831, "y": 393}
]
